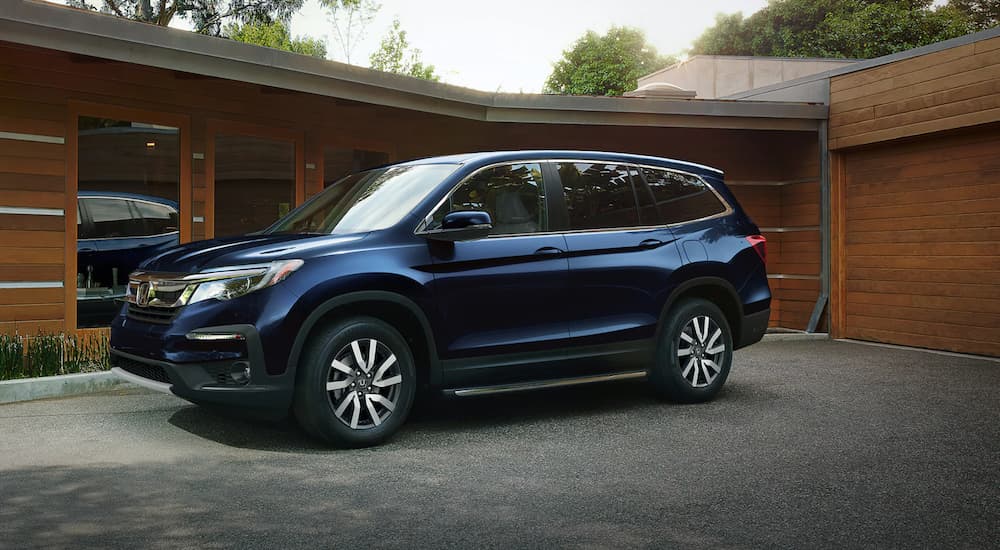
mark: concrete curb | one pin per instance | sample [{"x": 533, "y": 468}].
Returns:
[
  {"x": 27, "y": 389},
  {"x": 784, "y": 336}
]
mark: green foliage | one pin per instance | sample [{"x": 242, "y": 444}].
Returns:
[
  {"x": 207, "y": 16},
  {"x": 832, "y": 28},
  {"x": 605, "y": 65},
  {"x": 51, "y": 354},
  {"x": 394, "y": 55},
  {"x": 350, "y": 20},
  {"x": 983, "y": 14},
  {"x": 275, "y": 35}
]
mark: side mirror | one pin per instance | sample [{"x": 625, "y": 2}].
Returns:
[{"x": 466, "y": 225}]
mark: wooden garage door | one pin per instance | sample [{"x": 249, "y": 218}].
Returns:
[{"x": 922, "y": 241}]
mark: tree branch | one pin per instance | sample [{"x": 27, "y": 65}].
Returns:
[{"x": 114, "y": 7}]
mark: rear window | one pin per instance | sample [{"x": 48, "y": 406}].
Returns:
[{"x": 681, "y": 197}]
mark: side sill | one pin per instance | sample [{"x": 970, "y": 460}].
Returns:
[{"x": 542, "y": 384}]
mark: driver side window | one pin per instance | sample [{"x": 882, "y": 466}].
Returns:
[{"x": 512, "y": 194}]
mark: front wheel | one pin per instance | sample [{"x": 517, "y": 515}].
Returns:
[
  {"x": 694, "y": 352},
  {"x": 356, "y": 383}
]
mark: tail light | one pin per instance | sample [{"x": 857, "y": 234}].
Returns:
[{"x": 759, "y": 244}]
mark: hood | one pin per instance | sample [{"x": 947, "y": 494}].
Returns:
[{"x": 246, "y": 249}]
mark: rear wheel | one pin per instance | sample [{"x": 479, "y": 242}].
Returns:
[
  {"x": 694, "y": 353},
  {"x": 356, "y": 383}
]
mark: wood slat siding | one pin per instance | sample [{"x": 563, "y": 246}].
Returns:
[
  {"x": 922, "y": 243},
  {"x": 38, "y": 88},
  {"x": 945, "y": 90}
]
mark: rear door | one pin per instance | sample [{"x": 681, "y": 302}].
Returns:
[
  {"x": 621, "y": 256},
  {"x": 505, "y": 293}
]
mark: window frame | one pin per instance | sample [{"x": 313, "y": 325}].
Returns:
[{"x": 555, "y": 200}]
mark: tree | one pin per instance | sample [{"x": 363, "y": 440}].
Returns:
[
  {"x": 605, "y": 65},
  {"x": 394, "y": 55},
  {"x": 984, "y": 14},
  {"x": 350, "y": 19},
  {"x": 207, "y": 16},
  {"x": 832, "y": 28},
  {"x": 275, "y": 35}
]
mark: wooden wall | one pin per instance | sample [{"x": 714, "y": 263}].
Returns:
[
  {"x": 949, "y": 89},
  {"x": 38, "y": 88}
]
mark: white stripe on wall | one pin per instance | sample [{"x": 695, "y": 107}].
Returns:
[
  {"x": 24, "y": 210},
  {"x": 32, "y": 137},
  {"x": 31, "y": 284}
]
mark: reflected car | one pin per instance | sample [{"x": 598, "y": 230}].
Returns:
[
  {"x": 115, "y": 233},
  {"x": 463, "y": 275}
]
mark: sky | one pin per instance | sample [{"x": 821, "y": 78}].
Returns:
[{"x": 510, "y": 45}]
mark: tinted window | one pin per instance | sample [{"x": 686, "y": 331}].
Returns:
[
  {"x": 681, "y": 197},
  {"x": 598, "y": 196},
  {"x": 158, "y": 218},
  {"x": 112, "y": 218},
  {"x": 512, "y": 194}
]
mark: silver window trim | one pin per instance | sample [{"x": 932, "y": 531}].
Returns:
[{"x": 418, "y": 231}]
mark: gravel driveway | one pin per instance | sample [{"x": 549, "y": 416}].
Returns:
[{"x": 811, "y": 444}]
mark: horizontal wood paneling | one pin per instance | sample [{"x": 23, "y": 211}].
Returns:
[
  {"x": 945, "y": 90},
  {"x": 922, "y": 243}
]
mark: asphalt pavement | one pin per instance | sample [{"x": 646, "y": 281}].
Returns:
[{"x": 812, "y": 444}]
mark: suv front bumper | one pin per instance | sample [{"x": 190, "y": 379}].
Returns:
[{"x": 223, "y": 382}]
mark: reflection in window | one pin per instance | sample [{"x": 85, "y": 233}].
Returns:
[
  {"x": 681, "y": 197},
  {"x": 339, "y": 162},
  {"x": 598, "y": 196},
  {"x": 122, "y": 165},
  {"x": 512, "y": 194},
  {"x": 254, "y": 183}
]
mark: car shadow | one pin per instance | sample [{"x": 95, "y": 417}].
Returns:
[{"x": 439, "y": 417}]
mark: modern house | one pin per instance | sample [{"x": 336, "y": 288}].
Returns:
[{"x": 877, "y": 183}]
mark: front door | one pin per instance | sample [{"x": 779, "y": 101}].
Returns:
[{"x": 505, "y": 293}]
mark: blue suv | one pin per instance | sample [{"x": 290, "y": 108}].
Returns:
[{"x": 468, "y": 275}]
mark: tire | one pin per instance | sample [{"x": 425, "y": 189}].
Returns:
[
  {"x": 359, "y": 410},
  {"x": 690, "y": 367}
]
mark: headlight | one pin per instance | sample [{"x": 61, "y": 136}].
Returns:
[{"x": 225, "y": 283}]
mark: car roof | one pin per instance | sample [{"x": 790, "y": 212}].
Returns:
[
  {"x": 566, "y": 154},
  {"x": 135, "y": 196}
]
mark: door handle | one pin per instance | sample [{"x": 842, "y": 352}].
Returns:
[
  {"x": 549, "y": 250},
  {"x": 650, "y": 243}
]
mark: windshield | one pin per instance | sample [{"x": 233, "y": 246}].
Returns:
[{"x": 366, "y": 201}]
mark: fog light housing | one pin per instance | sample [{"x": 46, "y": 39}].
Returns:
[{"x": 240, "y": 373}]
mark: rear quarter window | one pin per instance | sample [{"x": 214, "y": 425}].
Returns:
[{"x": 681, "y": 197}]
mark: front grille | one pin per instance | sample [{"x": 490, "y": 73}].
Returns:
[
  {"x": 151, "y": 372},
  {"x": 157, "y": 315}
]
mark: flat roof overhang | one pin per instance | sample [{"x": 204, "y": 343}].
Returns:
[{"x": 49, "y": 26}]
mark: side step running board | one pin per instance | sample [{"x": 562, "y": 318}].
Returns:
[{"x": 542, "y": 384}]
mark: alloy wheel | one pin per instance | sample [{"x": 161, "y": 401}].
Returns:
[
  {"x": 700, "y": 349},
  {"x": 364, "y": 383}
]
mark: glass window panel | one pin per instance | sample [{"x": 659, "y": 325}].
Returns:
[
  {"x": 339, "y": 162},
  {"x": 254, "y": 183},
  {"x": 157, "y": 218},
  {"x": 681, "y": 197},
  {"x": 121, "y": 164},
  {"x": 512, "y": 194},
  {"x": 598, "y": 196}
]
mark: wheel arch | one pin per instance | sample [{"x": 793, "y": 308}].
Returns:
[
  {"x": 714, "y": 289},
  {"x": 393, "y": 308}
]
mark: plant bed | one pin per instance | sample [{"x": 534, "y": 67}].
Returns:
[{"x": 43, "y": 355}]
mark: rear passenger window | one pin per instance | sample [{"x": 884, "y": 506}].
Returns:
[
  {"x": 112, "y": 218},
  {"x": 598, "y": 196},
  {"x": 512, "y": 194},
  {"x": 158, "y": 218},
  {"x": 681, "y": 197}
]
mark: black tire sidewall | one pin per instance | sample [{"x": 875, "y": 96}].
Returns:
[
  {"x": 312, "y": 406},
  {"x": 667, "y": 367}
]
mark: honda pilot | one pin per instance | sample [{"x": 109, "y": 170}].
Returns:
[{"x": 464, "y": 275}]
